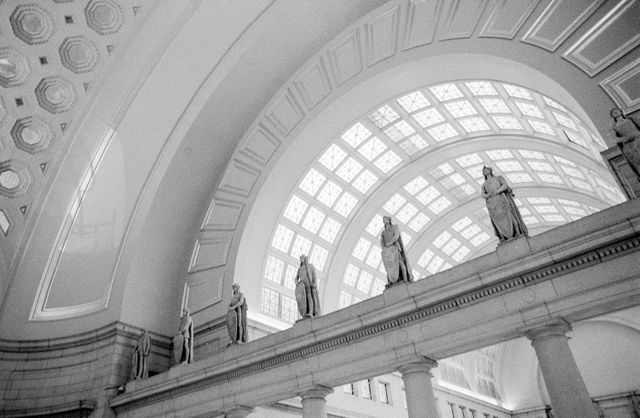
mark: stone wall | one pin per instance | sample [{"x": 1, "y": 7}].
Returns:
[{"x": 76, "y": 374}]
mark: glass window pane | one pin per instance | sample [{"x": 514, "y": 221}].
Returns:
[
  {"x": 541, "y": 127},
  {"x": 332, "y": 157},
  {"x": 289, "y": 309},
  {"x": 273, "y": 269},
  {"x": 301, "y": 245},
  {"x": 406, "y": 213},
  {"x": 446, "y": 91},
  {"x": 415, "y": 185},
  {"x": 474, "y": 124},
  {"x": 441, "y": 239},
  {"x": 375, "y": 226},
  {"x": 494, "y": 105},
  {"x": 469, "y": 160},
  {"x": 319, "y": 257},
  {"x": 515, "y": 91},
  {"x": 507, "y": 122},
  {"x": 388, "y": 161},
  {"x": 499, "y": 154},
  {"x": 345, "y": 204},
  {"x": 329, "y": 193},
  {"x": 439, "y": 205},
  {"x": 312, "y": 182},
  {"x": 295, "y": 209},
  {"x": 269, "y": 301},
  {"x": 282, "y": 238},
  {"x": 313, "y": 220},
  {"x": 425, "y": 258},
  {"x": 383, "y": 116},
  {"x": 345, "y": 299},
  {"x": 361, "y": 249},
  {"x": 442, "y": 132},
  {"x": 428, "y": 117},
  {"x": 356, "y": 134},
  {"x": 413, "y": 101},
  {"x": 481, "y": 88},
  {"x": 364, "y": 181},
  {"x": 372, "y": 149},
  {"x": 414, "y": 144},
  {"x": 460, "y": 109},
  {"x": 351, "y": 274},
  {"x": 349, "y": 170},
  {"x": 394, "y": 203},
  {"x": 418, "y": 222},
  {"x": 399, "y": 131},
  {"x": 365, "y": 281},
  {"x": 330, "y": 230},
  {"x": 427, "y": 195},
  {"x": 529, "y": 109}
]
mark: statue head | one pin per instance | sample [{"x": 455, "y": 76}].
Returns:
[
  {"x": 616, "y": 113},
  {"x": 386, "y": 220},
  {"x": 185, "y": 312},
  {"x": 235, "y": 287},
  {"x": 487, "y": 171},
  {"x": 303, "y": 259}
]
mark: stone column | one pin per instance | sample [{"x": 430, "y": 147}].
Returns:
[
  {"x": 238, "y": 412},
  {"x": 421, "y": 402},
  {"x": 314, "y": 402},
  {"x": 567, "y": 391}
]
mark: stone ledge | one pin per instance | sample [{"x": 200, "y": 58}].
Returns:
[
  {"x": 76, "y": 409},
  {"x": 115, "y": 329},
  {"x": 340, "y": 329}
]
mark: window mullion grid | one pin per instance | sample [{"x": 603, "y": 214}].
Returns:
[
  {"x": 467, "y": 177},
  {"x": 299, "y": 230},
  {"x": 392, "y": 145},
  {"x": 443, "y": 192},
  {"x": 597, "y": 189},
  {"x": 408, "y": 117},
  {"x": 421, "y": 208},
  {"x": 379, "y": 133},
  {"x": 482, "y": 113},
  {"x": 346, "y": 187},
  {"x": 362, "y": 265}
]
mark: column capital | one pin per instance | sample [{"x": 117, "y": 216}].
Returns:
[
  {"x": 423, "y": 365},
  {"x": 316, "y": 392},
  {"x": 556, "y": 327},
  {"x": 238, "y": 412}
]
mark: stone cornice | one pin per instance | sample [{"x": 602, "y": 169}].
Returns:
[
  {"x": 571, "y": 255},
  {"x": 72, "y": 409},
  {"x": 104, "y": 333}
]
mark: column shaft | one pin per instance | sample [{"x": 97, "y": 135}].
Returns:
[
  {"x": 314, "y": 402},
  {"x": 421, "y": 402},
  {"x": 567, "y": 391}
]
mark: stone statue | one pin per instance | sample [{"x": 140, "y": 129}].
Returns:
[
  {"x": 140, "y": 357},
  {"x": 505, "y": 216},
  {"x": 627, "y": 131},
  {"x": 237, "y": 317},
  {"x": 307, "y": 289},
  {"x": 394, "y": 256},
  {"x": 183, "y": 341}
]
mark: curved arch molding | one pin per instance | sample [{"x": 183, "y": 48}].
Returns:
[{"x": 404, "y": 31}]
